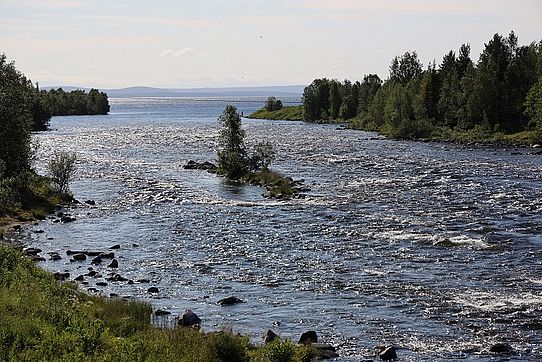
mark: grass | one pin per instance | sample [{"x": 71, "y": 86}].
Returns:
[
  {"x": 291, "y": 113},
  {"x": 275, "y": 183},
  {"x": 43, "y": 320}
]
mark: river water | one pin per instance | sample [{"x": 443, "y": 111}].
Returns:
[{"x": 433, "y": 248}]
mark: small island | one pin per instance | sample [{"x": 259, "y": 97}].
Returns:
[{"x": 274, "y": 110}]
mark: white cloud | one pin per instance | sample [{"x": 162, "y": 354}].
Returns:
[{"x": 167, "y": 53}]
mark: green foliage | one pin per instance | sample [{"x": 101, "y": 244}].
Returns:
[
  {"x": 232, "y": 158},
  {"x": 533, "y": 105},
  {"x": 496, "y": 96},
  {"x": 273, "y": 104},
  {"x": 279, "y": 351},
  {"x": 292, "y": 113},
  {"x": 62, "y": 168},
  {"x": 43, "y": 320},
  {"x": 264, "y": 154},
  {"x": 75, "y": 103}
]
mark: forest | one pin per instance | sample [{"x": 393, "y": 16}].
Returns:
[{"x": 499, "y": 94}]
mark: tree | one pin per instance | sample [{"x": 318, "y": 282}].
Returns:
[
  {"x": 62, "y": 168},
  {"x": 273, "y": 104},
  {"x": 533, "y": 105},
  {"x": 232, "y": 160},
  {"x": 405, "y": 67},
  {"x": 263, "y": 156},
  {"x": 15, "y": 119}
]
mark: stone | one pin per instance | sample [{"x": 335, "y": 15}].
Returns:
[
  {"x": 101, "y": 284},
  {"x": 501, "y": 348},
  {"x": 96, "y": 260},
  {"x": 388, "y": 354},
  {"x": 143, "y": 281},
  {"x": 153, "y": 290},
  {"x": 61, "y": 276},
  {"x": 93, "y": 253},
  {"x": 325, "y": 350},
  {"x": 80, "y": 278},
  {"x": 116, "y": 246},
  {"x": 114, "y": 264},
  {"x": 193, "y": 165},
  {"x": 92, "y": 273},
  {"x": 32, "y": 251},
  {"x": 270, "y": 336},
  {"x": 308, "y": 338},
  {"x": 109, "y": 255},
  {"x": 72, "y": 252},
  {"x": 116, "y": 278},
  {"x": 229, "y": 301},
  {"x": 189, "y": 319},
  {"x": 161, "y": 313},
  {"x": 66, "y": 219},
  {"x": 55, "y": 256},
  {"x": 90, "y": 202},
  {"x": 79, "y": 257}
]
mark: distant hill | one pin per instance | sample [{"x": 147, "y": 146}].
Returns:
[{"x": 265, "y": 91}]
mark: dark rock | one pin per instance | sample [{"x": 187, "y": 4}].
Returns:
[
  {"x": 72, "y": 252},
  {"x": 109, "y": 255},
  {"x": 116, "y": 246},
  {"x": 134, "y": 245},
  {"x": 388, "y": 354},
  {"x": 80, "y": 278},
  {"x": 92, "y": 290},
  {"x": 79, "y": 257},
  {"x": 325, "y": 350},
  {"x": 113, "y": 295},
  {"x": 55, "y": 257},
  {"x": 130, "y": 282},
  {"x": 308, "y": 338},
  {"x": 189, "y": 319},
  {"x": 101, "y": 284},
  {"x": 93, "y": 253},
  {"x": 270, "y": 336},
  {"x": 90, "y": 202},
  {"x": 16, "y": 227},
  {"x": 61, "y": 276},
  {"x": 66, "y": 219},
  {"x": 143, "y": 281},
  {"x": 97, "y": 260},
  {"x": 32, "y": 251},
  {"x": 161, "y": 313},
  {"x": 114, "y": 264},
  {"x": 193, "y": 165},
  {"x": 39, "y": 231},
  {"x": 501, "y": 348},
  {"x": 116, "y": 278},
  {"x": 153, "y": 290},
  {"x": 92, "y": 273},
  {"x": 60, "y": 214},
  {"x": 229, "y": 301},
  {"x": 37, "y": 258}
]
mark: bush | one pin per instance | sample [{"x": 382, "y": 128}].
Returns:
[
  {"x": 273, "y": 104},
  {"x": 62, "y": 168}
]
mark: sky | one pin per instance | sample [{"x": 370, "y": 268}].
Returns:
[{"x": 213, "y": 43}]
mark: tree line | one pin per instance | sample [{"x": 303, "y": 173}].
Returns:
[
  {"x": 500, "y": 93},
  {"x": 24, "y": 109}
]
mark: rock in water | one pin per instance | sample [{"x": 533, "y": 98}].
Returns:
[
  {"x": 229, "y": 301},
  {"x": 501, "y": 348},
  {"x": 79, "y": 257},
  {"x": 270, "y": 336},
  {"x": 388, "y": 354},
  {"x": 114, "y": 264},
  {"x": 153, "y": 290},
  {"x": 161, "y": 313},
  {"x": 308, "y": 338},
  {"x": 189, "y": 319}
]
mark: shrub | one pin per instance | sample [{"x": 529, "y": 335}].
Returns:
[
  {"x": 273, "y": 104},
  {"x": 62, "y": 168}
]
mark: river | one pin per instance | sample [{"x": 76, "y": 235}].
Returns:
[{"x": 433, "y": 248}]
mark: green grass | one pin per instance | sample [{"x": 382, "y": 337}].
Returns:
[
  {"x": 274, "y": 182},
  {"x": 43, "y": 320},
  {"x": 292, "y": 113}
]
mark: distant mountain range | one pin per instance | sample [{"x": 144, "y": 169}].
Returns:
[{"x": 266, "y": 91}]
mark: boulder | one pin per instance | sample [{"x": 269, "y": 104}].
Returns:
[
  {"x": 308, "y": 338},
  {"x": 32, "y": 251},
  {"x": 161, "y": 313},
  {"x": 80, "y": 278},
  {"x": 270, "y": 336},
  {"x": 229, "y": 301},
  {"x": 116, "y": 246},
  {"x": 116, "y": 278},
  {"x": 189, "y": 319},
  {"x": 388, "y": 354},
  {"x": 501, "y": 348},
  {"x": 54, "y": 256},
  {"x": 143, "y": 281},
  {"x": 90, "y": 202},
  {"x": 114, "y": 264},
  {"x": 101, "y": 284},
  {"x": 66, "y": 219},
  {"x": 153, "y": 290},
  {"x": 325, "y": 350},
  {"x": 109, "y": 255},
  {"x": 97, "y": 260},
  {"x": 193, "y": 165},
  {"x": 79, "y": 257}
]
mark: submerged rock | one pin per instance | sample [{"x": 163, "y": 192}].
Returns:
[
  {"x": 114, "y": 264},
  {"x": 501, "y": 348},
  {"x": 193, "y": 165},
  {"x": 229, "y": 301}
]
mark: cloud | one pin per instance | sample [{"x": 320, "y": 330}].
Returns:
[{"x": 169, "y": 53}]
